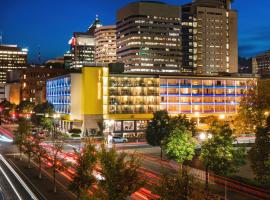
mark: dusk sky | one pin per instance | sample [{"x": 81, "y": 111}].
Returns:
[{"x": 50, "y": 23}]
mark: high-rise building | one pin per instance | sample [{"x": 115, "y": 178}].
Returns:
[
  {"x": 261, "y": 64},
  {"x": 105, "y": 42},
  {"x": 148, "y": 37},
  {"x": 82, "y": 47},
  {"x": 209, "y": 37},
  {"x": 11, "y": 58}
]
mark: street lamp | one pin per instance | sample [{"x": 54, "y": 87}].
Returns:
[
  {"x": 204, "y": 137},
  {"x": 221, "y": 116},
  {"x": 56, "y": 117},
  {"x": 197, "y": 114},
  {"x": 109, "y": 124}
]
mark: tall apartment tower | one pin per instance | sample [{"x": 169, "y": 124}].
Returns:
[
  {"x": 148, "y": 37},
  {"x": 11, "y": 58},
  {"x": 105, "y": 44},
  {"x": 82, "y": 47},
  {"x": 209, "y": 37}
]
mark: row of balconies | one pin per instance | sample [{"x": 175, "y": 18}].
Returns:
[
  {"x": 117, "y": 102},
  {"x": 130, "y": 93},
  {"x": 132, "y": 110}
]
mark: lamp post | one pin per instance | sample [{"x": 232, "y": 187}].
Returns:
[
  {"x": 197, "y": 114},
  {"x": 204, "y": 136},
  {"x": 110, "y": 125},
  {"x": 55, "y": 123}
]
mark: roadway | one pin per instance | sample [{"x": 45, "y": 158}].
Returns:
[
  {"x": 11, "y": 185},
  {"x": 151, "y": 164}
]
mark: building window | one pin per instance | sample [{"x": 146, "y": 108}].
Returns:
[
  {"x": 141, "y": 125},
  {"x": 128, "y": 125},
  {"x": 118, "y": 126}
]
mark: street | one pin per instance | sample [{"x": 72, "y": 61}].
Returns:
[{"x": 152, "y": 167}]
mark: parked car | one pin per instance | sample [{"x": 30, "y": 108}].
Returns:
[{"x": 119, "y": 140}]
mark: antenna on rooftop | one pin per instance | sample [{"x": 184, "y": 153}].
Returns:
[{"x": 39, "y": 55}]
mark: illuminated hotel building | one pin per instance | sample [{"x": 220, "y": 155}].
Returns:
[
  {"x": 148, "y": 37},
  {"x": 131, "y": 99},
  {"x": 202, "y": 95},
  {"x": 11, "y": 58},
  {"x": 209, "y": 37},
  {"x": 105, "y": 44}
]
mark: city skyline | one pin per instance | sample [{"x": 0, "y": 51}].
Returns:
[{"x": 49, "y": 32}]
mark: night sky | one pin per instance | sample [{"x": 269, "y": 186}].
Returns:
[{"x": 48, "y": 24}]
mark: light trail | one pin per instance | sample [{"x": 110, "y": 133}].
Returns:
[
  {"x": 11, "y": 184},
  {"x": 6, "y": 133},
  {"x": 5, "y": 139},
  {"x": 18, "y": 178}
]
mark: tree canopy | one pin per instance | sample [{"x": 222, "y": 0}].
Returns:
[
  {"x": 254, "y": 107},
  {"x": 180, "y": 145},
  {"x": 84, "y": 178},
  {"x": 259, "y": 155},
  {"x": 158, "y": 128},
  {"x": 218, "y": 153},
  {"x": 121, "y": 176},
  {"x": 26, "y": 107}
]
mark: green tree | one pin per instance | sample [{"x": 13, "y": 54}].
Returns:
[
  {"x": 57, "y": 162},
  {"x": 83, "y": 178},
  {"x": 7, "y": 108},
  {"x": 46, "y": 123},
  {"x": 40, "y": 112},
  {"x": 259, "y": 155},
  {"x": 26, "y": 107},
  {"x": 182, "y": 122},
  {"x": 174, "y": 186},
  {"x": 218, "y": 153},
  {"x": 120, "y": 173},
  {"x": 180, "y": 145},
  {"x": 44, "y": 108},
  {"x": 253, "y": 106},
  {"x": 29, "y": 149},
  {"x": 21, "y": 134},
  {"x": 39, "y": 153},
  {"x": 158, "y": 129}
]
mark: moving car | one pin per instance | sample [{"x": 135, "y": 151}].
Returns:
[{"x": 119, "y": 140}]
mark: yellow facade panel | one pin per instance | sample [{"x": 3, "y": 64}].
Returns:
[{"x": 93, "y": 90}]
